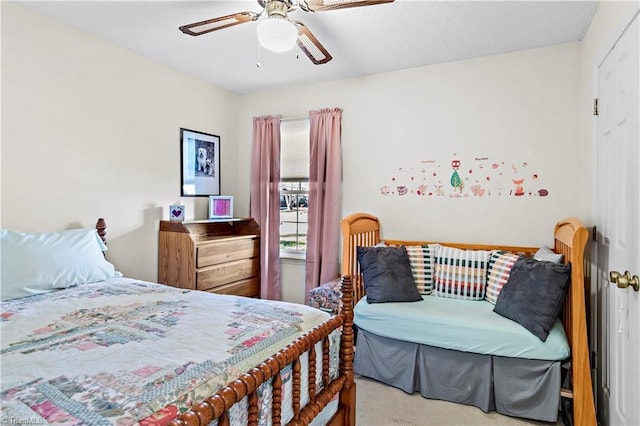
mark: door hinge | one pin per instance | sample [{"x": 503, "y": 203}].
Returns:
[
  {"x": 595, "y": 234},
  {"x": 595, "y": 106}
]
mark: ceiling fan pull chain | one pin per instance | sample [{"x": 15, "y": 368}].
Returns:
[{"x": 259, "y": 55}]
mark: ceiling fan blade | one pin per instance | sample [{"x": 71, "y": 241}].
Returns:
[
  {"x": 323, "y": 5},
  {"x": 203, "y": 27},
  {"x": 311, "y": 46}
]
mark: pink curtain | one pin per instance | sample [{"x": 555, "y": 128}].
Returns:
[
  {"x": 265, "y": 201},
  {"x": 325, "y": 175}
]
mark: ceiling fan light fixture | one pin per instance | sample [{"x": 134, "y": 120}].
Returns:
[{"x": 277, "y": 34}]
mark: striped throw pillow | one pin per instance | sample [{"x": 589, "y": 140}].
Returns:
[
  {"x": 423, "y": 262},
  {"x": 498, "y": 271},
  {"x": 461, "y": 274}
]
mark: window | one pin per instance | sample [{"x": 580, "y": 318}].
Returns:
[
  {"x": 294, "y": 202},
  {"x": 294, "y": 186}
]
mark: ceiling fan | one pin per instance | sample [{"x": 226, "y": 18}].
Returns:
[{"x": 276, "y": 32}]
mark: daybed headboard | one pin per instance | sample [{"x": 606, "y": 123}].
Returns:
[
  {"x": 363, "y": 230},
  {"x": 570, "y": 235},
  {"x": 358, "y": 230}
]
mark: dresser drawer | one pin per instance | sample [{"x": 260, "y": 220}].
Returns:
[
  {"x": 218, "y": 275},
  {"x": 247, "y": 288},
  {"x": 218, "y": 252},
  {"x": 221, "y": 256}
]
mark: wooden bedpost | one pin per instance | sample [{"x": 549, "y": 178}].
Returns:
[
  {"x": 348, "y": 392},
  {"x": 571, "y": 239},
  {"x": 358, "y": 229},
  {"x": 101, "y": 227}
]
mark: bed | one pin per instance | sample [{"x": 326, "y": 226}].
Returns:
[
  {"x": 522, "y": 384},
  {"x": 105, "y": 349}
]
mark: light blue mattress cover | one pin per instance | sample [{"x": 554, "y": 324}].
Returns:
[{"x": 463, "y": 325}]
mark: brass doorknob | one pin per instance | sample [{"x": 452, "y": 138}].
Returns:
[{"x": 624, "y": 281}]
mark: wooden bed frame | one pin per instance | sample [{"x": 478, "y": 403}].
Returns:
[
  {"x": 216, "y": 406},
  {"x": 570, "y": 236}
]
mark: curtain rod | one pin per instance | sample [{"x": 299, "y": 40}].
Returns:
[{"x": 295, "y": 117}]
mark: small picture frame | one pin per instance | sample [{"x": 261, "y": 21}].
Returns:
[
  {"x": 220, "y": 207},
  {"x": 176, "y": 212}
]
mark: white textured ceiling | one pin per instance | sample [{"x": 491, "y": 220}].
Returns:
[{"x": 363, "y": 40}]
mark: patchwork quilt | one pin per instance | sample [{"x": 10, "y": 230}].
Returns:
[{"x": 126, "y": 352}]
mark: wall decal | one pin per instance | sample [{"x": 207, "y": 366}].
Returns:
[
  {"x": 472, "y": 177},
  {"x": 456, "y": 182}
]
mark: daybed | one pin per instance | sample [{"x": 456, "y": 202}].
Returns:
[
  {"x": 83, "y": 345},
  {"x": 461, "y": 350}
]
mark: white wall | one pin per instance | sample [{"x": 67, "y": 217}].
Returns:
[
  {"x": 518, "y": 107},
  {"x": 522, "y": 107},
  {"x": 292, "y": 273},
  {"x": 92, "y": 130}
]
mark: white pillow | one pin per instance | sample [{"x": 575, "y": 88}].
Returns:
[
  {"x": 498, "y": 271},
  {"x": 39, "y": 263},
  {"x": 422, "y": 259},
  {"x": 461, "y": 274},
  {"x": 547, "y": 254}
]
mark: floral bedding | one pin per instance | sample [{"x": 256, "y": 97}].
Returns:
[{"x": 125, "y": 352}]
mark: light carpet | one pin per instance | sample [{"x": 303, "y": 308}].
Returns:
[{"x": 381, "y": 405}]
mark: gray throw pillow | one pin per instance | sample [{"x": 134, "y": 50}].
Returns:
[
  {"x": 534, "y": 294},
  {"x": 545, "y": 253},
  {"x": 387, "y": 275}
]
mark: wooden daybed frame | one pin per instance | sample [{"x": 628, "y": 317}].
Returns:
[
  {"x": 216, "y": 406},
  {"x": 570, "y": 239}
]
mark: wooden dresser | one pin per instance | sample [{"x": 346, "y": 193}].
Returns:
[{"x": 219, "y": 256}]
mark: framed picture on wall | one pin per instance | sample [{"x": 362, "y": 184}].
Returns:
[
  {"x": 199, "y": 164},
  {"x": 220, "y": 207}
]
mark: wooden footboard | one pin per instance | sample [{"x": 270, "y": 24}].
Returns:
[
  {"x": 218, "y": 405},
  {"x": 570, "y": 236}
]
